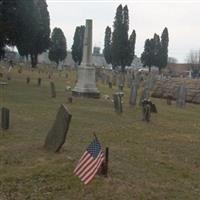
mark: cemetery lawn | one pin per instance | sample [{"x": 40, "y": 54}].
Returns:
[{"x": 157, "y": 160}]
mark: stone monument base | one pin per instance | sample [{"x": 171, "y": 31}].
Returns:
[{"x": 86, "y": 85}]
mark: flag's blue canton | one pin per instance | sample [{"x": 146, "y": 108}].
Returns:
[{"x": 94, "y": 148}]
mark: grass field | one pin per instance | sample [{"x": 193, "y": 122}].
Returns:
[{"x": 157, "y": 160}]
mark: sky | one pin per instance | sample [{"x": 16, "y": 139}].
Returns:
[{"x": 146, "y": 17}]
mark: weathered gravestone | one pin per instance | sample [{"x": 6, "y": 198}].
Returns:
[
  {"x": 39, "y": 82},
  {"x": 110, "y": 85},
  {"x": 117, "y": 97},
  {"x": 5, "y": 118},
  {"x": 144, "y": 95},
  {"x": 28, "y": 80},
  {"x": 169, "y": 100},
  {"x": 181, "y": 94},
  {"x": 137, "y": 80},
  {"x": 133, "y": 95},
  {"x": 121, "y": 87},
  {"x": 114, "y": 79},
  {"x": 53, "y": 90},
  {"x": 151, "y": 81},
  {"x": 57, "y": 135}
]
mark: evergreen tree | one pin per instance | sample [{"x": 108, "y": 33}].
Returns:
[
  {"x": 126, "y": 45},
  {"x": 157, "y": 50},
  {"x": 26, "y": 25},
  {"x": 77, "y": 47},
  {"x": 58, "y": 47},
  {"x": 132, "y": 41},
  {"x": 164, "y": 49},
  {"x": 122, "y": 50},
  {"x": 147, "y": 56},
  {"x": 107, "y": 45},
  {"x": 41, "y": 38},
  {"x": 117, "y": 41}
]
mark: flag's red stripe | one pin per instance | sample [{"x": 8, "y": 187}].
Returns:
[
  {"x": 82, "y": 168},
  {"x": 92, "y": 173},
  {"x": 82, "y": 157},
  {"x": 82, "y": 161},
  {"x": 91, "y": 167}
]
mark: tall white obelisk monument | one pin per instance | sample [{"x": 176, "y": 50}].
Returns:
[{"x": 86, "y": 84}]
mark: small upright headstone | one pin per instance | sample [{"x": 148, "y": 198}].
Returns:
[
  {"x": 39, "y": 82},
  {"x": 1, "y": 75},
  {"x": 53, "y": 90},
  {"x": 121, "y": 87},
  {"x": 57, "y": 135},
  {"x": 66, "y": 75},
  {"x": 169, "y": 100},
  {"x": 117, "y": 97},
  {"x": 133, "y": 95},
  {"x": 28, "y": 80},
  {"x": 181, "y": 96},
  {"x": 5, "y": 116},
  {"x": 110, "y": 85},
  {"x": 144, "y": 95}
]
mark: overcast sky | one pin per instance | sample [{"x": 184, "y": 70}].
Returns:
[{"x": 182, "y": 18}]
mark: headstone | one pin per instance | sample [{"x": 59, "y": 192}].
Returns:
[
  {"x": 151, "y": 80},
  {"x": 70, "y": 99},
  {"x": 28, "y": 80},
  {"x": 146, "y": 110},
  {"x": 114, "y": 80},
  {"x": 1, "y": 75},
  {"x": 66, "y": 75},
  {"x": 133, "y": 95},
  {"x": 110, "y": 85},
  {"x": 39, "y": 82},
  {"x": 53, "y": 90},
  {"x": 181, "y": 96},
  {"x": 57, "y": 135},
  {"x": 137, "y": 80},
  {"x": 144, "y": 95},
  {"x": 117, "y": 97},
  {"x": 169, "y": 100},
  {"x": 5, "y": 118},
  {"x": 121, "y": 87},
  {"x": 86, "y": 84},
  {"x": 153, "y": 108}
]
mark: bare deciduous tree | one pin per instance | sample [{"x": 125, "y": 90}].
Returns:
[{"x": 193, "y": 60}]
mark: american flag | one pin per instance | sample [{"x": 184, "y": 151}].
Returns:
[{"x": 90, "y": 162}]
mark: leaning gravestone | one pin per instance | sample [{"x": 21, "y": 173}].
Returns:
[
  {"x": 181, "y": 96},
  {"x": 133, "y": 95},
  {"x": 5, "y": 116},
  {"x": 117, "y": 97},
  {"x": 57, "y": 135},
  {"x": 53, "y": 90}
]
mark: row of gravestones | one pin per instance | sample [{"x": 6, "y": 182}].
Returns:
[
  {"x": 170, "y": 92},
  {"x": 117, "y": 97}
]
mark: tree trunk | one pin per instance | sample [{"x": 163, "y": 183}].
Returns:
[
  {"x": 34, "y": 60},
  {"x": 149, "y": 68},
  {"x": 160, "y": 70}
]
